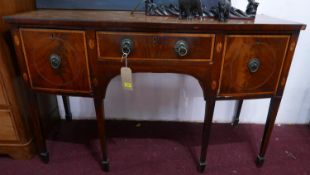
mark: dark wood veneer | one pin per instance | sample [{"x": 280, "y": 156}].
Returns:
[
  {"x": 155, "y": 46},
  {"x": 124, "y": 21},
  {"x": 236, "y": 79},
  {"x": 70, "y": 45}
]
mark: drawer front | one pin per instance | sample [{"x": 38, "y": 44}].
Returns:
[
  {"x": 156, "y": 46},
  {"x": 56, "y": 59},
  {"x": 7, "y": 127},
  {"x": 252, "y": 64},
  {"x": 3, "y": 98}
]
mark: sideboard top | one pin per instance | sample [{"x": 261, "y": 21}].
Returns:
[{"x": 125, "y": 20}]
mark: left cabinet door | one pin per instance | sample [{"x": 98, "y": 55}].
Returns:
[{"x": 57, "y": 60}]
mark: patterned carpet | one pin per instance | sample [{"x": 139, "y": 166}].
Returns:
[{"x": 167, "y": 148}]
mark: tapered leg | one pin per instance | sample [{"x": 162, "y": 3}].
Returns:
[
  {"x": 101, "y": 128},
  {"x": 206, "y": 133},
  {"x": 66, "y": 102},
  {"x": 237, "y": 112},
  {"x": 37, "y": 127},
  {"x": 272, "y": 114}
]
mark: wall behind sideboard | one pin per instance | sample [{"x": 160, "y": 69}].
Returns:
[{"x": 173, "y": 97}]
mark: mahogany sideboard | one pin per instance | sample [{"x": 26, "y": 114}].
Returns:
[{"x": 78, "y": 52}]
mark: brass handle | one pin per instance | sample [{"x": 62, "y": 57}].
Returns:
[
  {"x": 126, "y": 46},
  {"x": 254, "y": 65},
  {"x": 55, "y": 61},
  {"x": 181, "y": 48}
]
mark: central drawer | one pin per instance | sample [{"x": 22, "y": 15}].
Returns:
[{"x": 199, "y": 47}]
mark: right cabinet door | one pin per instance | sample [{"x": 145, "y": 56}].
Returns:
[{"x": 252, "y": 64}]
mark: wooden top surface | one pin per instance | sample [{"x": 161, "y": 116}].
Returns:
[{"x": 125, "y": 20}]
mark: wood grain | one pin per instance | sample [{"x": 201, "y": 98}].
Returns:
[
  {"x": 73, "y": 74},
  {"x": 236, "y": 79},
  {"x": 124, "y": 21},
  {"x": 219, "y": 57},
  {"x": 287, "y": 63},
  {"x": 3, "y": 97},
  {"x": 21, "y": 151},
  {"x": 11, "y": 7},
  {"x": 7, "y": 127},
  {"x": 156, "y": 46},
  {"x": 15, "y": 139}
]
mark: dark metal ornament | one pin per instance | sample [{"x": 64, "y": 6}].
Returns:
[
  {"x": 223, "y": 10},
  {"x": 188, "y": 9},
  {"x": 252, "y": 7}
]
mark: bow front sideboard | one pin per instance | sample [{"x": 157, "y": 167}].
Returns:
[{"x": 78, "y": 52}]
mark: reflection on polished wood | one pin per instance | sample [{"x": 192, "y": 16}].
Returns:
[{"x": 70, "y": 46}]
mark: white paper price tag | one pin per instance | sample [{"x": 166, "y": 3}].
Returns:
[{"x": 126, "y": 76}]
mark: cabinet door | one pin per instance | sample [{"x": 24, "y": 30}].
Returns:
[
  {"x": 252, "y": 64},
  {"x": 56, "y": 59}
]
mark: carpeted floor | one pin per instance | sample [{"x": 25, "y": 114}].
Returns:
[{"x": 167, "y": 148}]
